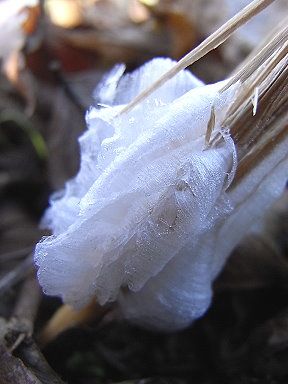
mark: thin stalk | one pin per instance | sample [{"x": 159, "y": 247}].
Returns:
[{"x": 212, "y": 42}]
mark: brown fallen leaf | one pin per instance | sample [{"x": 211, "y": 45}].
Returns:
[{"x": 18, "y": 21}]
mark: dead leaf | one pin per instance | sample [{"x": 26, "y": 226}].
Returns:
[{"x": 18, "y": 20}]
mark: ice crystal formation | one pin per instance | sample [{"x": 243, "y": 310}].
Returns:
[{"x": 148, "y": 221}]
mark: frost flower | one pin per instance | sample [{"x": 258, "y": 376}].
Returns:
[{"x": 148, "y": 221}]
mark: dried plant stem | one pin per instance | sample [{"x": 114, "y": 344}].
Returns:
[
  {"x": 13, "y": 370},
  {"x": 66, "y": 317},
  {"x": 257, "y": 119},
  {"x": 30, "y": 365},
  {"x": 33, "y": 358},
  {"x": 26, "y": 307},
  {"x": 255, "y": 60},
  {"x": 254, "y": 156},
  {"x": 272, "y": 104},
  {"x": 212, "y": 42},
  {"x": 15, "y": 255},
  {"x": 17, "y": 274},
  {"x": 256, "y": 81},
  {"x": 256, "y": 134}
]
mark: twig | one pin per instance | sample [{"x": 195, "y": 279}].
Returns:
[
  {"x": 34, "y": 359},
  {"x": 13, "y": 371},
  {"x": 15, "y": 255},
  {"x": 16, "y": 275},
  {"x": 21, "y": 324},
  {"x": 19, "y": 331},
  {"x": 26, "y": 308},
  {"x": 72, "y": 95}
]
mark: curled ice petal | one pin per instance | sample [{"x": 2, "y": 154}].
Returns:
[{"x": 145, "y": 220}]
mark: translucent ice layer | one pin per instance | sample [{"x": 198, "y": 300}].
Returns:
[{"x": 147, "y": 222}]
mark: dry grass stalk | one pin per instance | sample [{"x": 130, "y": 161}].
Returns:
[
  {"x": 66, "y": 317},
  {"x": 261, "y": 53},
  {"x": 212, "y": 42},
  {"x": 257, "y": 129}
]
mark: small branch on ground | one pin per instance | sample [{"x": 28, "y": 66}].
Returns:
[
  {"x": 30, "y": 366},
  {"x": 16, "y": 275}
]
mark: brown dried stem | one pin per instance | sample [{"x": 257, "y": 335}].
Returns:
[
  {"x": 256, "y": 134},
  {"x": 16, "y": 334},
  {"x": 212, "y": 42},
  {"x": 260, "y": 54},
  {"x": 66, "y": 317},
  {"x": 17, "y": 274}
]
